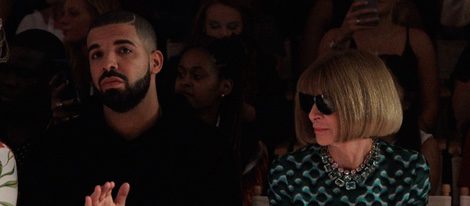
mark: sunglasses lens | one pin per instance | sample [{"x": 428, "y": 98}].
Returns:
[
  {"x": 306, "y": 102},
  {"x": 324, "y": 105}
]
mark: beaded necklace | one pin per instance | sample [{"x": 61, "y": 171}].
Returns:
[
  {"x": 350, "y": 178},
  {"x": 4, "y": 50}
]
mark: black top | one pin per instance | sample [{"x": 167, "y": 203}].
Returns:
[
  {"x": 178, "y": 161},
  {"x": 462, "y": 69},
  {"x": 405, "y": 68}
]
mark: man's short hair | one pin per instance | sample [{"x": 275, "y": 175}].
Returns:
[
  {"x": 143, "y": 28},
  {"x": 362, "y": 90}
]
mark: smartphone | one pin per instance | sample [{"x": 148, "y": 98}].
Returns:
[{"x": 371, "y": 18}]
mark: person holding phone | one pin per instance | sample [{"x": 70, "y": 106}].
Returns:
[
  {"x": 410, "y": 56},
  {"x": 71, "y": 90},
  {"x": 347, "y": 101}
]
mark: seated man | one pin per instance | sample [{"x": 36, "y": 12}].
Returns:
[{"x": 165, "y": 154}]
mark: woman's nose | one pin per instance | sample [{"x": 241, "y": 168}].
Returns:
[
  {"x": 64, "y": 19},
  {"x": 314, "y": 113},
  {"x": 226, "y": 33}
]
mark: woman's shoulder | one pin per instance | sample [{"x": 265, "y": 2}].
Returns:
[
  {"x": 298, "y": 157},
  {"x": 419, "y": 40},
  {"x": 406, "y": 157},
  {"x": 417, "y": 32}
]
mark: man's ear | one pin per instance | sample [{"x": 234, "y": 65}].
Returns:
[
  {"x": 226, "y": 87},
  {"x": 156, "y": 58}
]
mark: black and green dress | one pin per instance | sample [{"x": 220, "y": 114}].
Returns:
[{"x": 393, "y": 176}]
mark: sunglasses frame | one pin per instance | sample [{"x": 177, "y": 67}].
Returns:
[{"x": 307, "y": 101}]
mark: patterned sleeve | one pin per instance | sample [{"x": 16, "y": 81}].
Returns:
[
  {"x": 8, "y": 176},
  {"x": 278, "y": 184},
  {"x": 422, "y": 186}
]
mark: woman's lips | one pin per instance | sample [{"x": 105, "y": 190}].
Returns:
[
  {"x": 317, "y": 129},
  {"x": 187, "y": 94}
]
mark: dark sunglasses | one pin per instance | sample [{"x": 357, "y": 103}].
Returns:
[{"x": 324, "y": 105}]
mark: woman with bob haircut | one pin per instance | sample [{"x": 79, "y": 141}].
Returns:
[{"x": 351, "y": 100}]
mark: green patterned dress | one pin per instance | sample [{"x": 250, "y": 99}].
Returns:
[{"x": 299, "y": 178}]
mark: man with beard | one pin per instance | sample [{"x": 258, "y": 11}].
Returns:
[{"x": 164, "y": 154}]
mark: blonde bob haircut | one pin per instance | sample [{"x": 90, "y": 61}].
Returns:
[{"x": 361, "y": 89}]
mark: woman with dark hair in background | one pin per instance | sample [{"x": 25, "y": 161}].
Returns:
[
  {"x": 264, "y": 91},
  {"x": 209, "y": 77}
]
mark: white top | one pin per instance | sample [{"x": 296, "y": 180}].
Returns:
[
  {"x": 36, "y": 21},
  {"x": 8, "y": 176}
]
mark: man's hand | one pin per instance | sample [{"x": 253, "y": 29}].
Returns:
[{"x": 102, "y": 196}]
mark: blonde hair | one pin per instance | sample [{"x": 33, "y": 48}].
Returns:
[
  {"x": 362, "y": 91},
  {"x": 104, "y": 6}
]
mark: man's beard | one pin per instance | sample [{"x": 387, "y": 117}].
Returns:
[{"x": 123, "y": 101}]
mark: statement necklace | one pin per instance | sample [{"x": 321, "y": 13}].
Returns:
[
  {"x": 350, "y": 178},
  {"x": 4, "y": 50}
]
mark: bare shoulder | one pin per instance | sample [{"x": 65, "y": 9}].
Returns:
[
  {"x": 420, "y": 42},
  {"x": 419, "y": 37}
]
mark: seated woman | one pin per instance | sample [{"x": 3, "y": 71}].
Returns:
[
  {"x": 410, "y": 56},
  {"x": 210, "y": 78},
  {"x": 351, "y": 101},
  {"x": 460, "y": 102},
  {"x": 264, "y": 90}
]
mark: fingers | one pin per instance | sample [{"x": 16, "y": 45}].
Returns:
[
  {"x": 368, "y": 22},
  {"x": 360, "y": 17},
  {"x": 364, "y": 12},
  {"x": 107, "y": 189},
  {"x": 95, "y": 196},
  {"x": 62, "y": 111},
  {"x": 110, "y": 190},
  {"x": 122, "y": 194},
  {"x": 64, "y": 103},
  {"x": 102, "y": 195},
  {"x": 88, "y": 201},
  {"x": 56, "y": 79}
]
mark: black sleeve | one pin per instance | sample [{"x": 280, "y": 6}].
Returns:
[{"x": 462, "y": 69}]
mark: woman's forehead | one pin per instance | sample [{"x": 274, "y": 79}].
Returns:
[
  {"x": 197, "y": 57},
  {"x": 311, "y": 86}
]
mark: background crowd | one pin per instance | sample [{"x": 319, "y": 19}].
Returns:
[{"x": 229, "y": 69}]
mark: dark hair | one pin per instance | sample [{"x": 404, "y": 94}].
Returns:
[
  {"x": 35, "y": 57},
  {"x": 143, "y": 28},
  {"x": 199, "y": 20},
  {"x": 230, "y": 56},
  {"x": 39, "y": 50}
]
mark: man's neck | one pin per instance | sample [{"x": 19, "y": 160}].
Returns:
[{"x": 133, "y": 123}]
